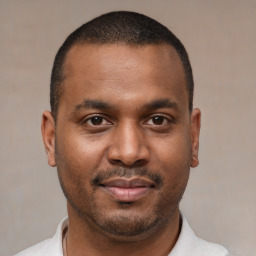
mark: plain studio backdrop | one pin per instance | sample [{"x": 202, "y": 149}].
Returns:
[{"x": 220, "y": 37}]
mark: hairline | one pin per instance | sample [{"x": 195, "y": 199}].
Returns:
[{"x": 117, "y": 43}]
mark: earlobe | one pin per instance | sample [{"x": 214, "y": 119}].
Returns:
[
  {"x": 48, "y": 134},
  {"x": 195, "y": 131}
]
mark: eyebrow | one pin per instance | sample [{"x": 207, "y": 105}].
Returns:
[
  {"x": 98, "y": 104},
  {"x": 161, "y": 103},
  {"x": 93, "y": 104}
]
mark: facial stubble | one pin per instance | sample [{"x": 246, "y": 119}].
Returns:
[{"x": 121, "y": 226}]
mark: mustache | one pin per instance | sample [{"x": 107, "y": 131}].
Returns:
[{"x": 102, "y": 176}]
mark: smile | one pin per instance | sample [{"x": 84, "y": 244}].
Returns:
[{"x": 124, "y": 190}]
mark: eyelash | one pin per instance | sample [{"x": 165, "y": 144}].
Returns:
[
  {"x": 105, "y": 119},
  {"x": 165, "y": 119},
  {"x": 95, "y": 116}
]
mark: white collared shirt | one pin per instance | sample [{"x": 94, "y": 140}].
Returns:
[{"x": 188, "y": 244}]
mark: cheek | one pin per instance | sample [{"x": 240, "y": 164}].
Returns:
[
  {"x": 173, "y": 157},
  {"x": 173, "y": 151},
  {"x": 80, "y": 153}
]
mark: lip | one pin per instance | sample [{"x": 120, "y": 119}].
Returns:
[{"x": 127, "y": 190}]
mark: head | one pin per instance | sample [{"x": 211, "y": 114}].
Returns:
[
  {"x": 122, "y": 131},
  {"x": 127, "y": 28}
]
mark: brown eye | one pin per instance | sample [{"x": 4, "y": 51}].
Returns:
[
  {"x": 96, "y": 120},
  {"x": 158, "y": 120}
]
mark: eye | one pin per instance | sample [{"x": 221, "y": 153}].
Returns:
[
  {"x": 157, "y": 120},
  {"x": 96, "y": 121}
]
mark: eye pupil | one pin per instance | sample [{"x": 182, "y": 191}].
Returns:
[
  {"x": 97, "y": 120},
  {"x": 158, "y": 120}
]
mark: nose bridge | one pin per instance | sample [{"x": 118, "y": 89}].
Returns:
[{"x": 129, "y": 144}]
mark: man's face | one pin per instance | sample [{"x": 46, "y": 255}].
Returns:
[{"x": 124, "y": 136}]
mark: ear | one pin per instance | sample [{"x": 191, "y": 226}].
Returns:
[
  {"x": 48, "y": 133},
  {"x": 195, "y": 130}
]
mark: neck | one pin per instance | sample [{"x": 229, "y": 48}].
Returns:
[{"x": 85, "y": 239}]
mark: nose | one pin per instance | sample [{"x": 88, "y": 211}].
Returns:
[{"x": 129, "y": 146}]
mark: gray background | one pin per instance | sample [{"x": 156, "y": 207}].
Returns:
[{"x": 220, "y": 37}]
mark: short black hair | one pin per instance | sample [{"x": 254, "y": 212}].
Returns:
[{"x": 118, "y": 27}]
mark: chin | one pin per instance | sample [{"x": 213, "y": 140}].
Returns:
[{"x": 128, "y": 227}]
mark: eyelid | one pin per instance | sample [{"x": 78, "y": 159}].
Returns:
[
  {"x": 89, "y": 117},
  {"x": 168, "y": 118},
  {"x": 85, "y": 120}
]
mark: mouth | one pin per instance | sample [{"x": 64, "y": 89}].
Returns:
[{"x": 127, "y": 190}]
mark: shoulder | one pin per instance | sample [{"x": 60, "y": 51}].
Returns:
[
  {"x": 205, "y": 248},
  {"x": 36, "y": 250},
  {"x": 49, "y": 247},
  {"x": 189, "y": 244}
]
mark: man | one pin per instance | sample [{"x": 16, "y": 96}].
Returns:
[{"x": 123, "y": 134}]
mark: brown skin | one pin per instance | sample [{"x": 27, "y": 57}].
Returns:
[{"x": 132, "y": 134}]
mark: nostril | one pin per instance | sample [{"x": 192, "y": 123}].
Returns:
[
  {"x": 136, "y": 164},
  {"x": 140, "y": 162},
  {"x": 116, "y": 162}
]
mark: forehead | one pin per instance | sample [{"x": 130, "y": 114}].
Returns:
[
  {"x": 160, "y": 56},
  {"x": 98, "y": 71}
]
